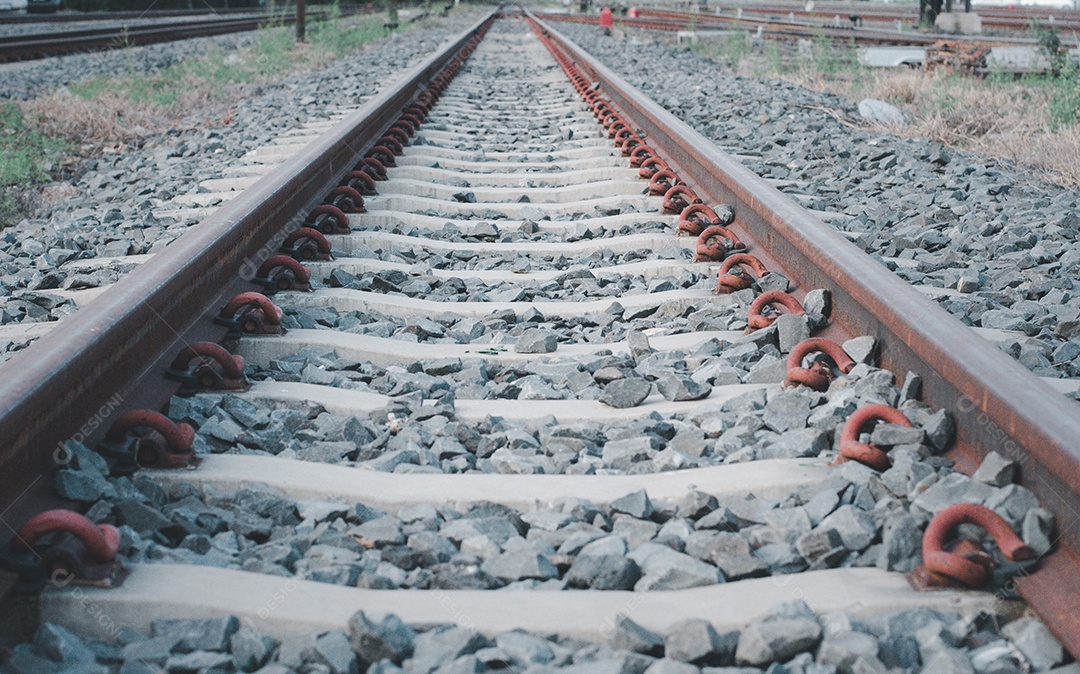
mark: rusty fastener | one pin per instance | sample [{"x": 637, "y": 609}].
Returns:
[
  {"x": 756, "y": 320},
  {"x": 630, "y": 144},
  {"x": 346, "y": 198},
  {"x": 399, "y": 135},
  {"x": 728, "y": 282},
  {"x": 650, "y": 167},
  {"x": 251, "y": 313},
  {"x": 640, "y": 154},
  {"x": 306, "y": 243},
  {"x": 695, "y": 218},
  {"x": 194, "y": 367},
  {"x": 281, "y": 272},
  {"x": 970, "y": 572},
  {"x": 373, "y": 167},
  {"x": 392, "y": 143},
  {"x": 328, "y": 219},
  {"x": 72, "y": 548},
  {"x": 360, "y": 181},
  {"x": 165, "y": 445},
  {"x": 662, "y": 181},
  {"x": 678, "y": 197},
  {"x": 711, "y": 245},
  {"x": 383, "y": 154},
  {"x": 868, "y": 454},
  {"x": 819, "y": 375}
]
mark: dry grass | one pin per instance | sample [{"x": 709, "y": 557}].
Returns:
[{"x": 1033, "y": 121}]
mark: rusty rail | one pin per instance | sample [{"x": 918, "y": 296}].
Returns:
[
  {"x": 997, "y": 403},
  {"x": 40, "y": 45},
  {"x": 116, "y": 350}
]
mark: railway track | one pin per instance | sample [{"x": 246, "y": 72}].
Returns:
[
  {"x": 41, "y": 45},
  {"x": 503, "y": 370},
  {"x": 792, "y": 28}
]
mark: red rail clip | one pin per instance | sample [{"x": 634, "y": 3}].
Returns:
[
  {"x": 868, "y": 454},
  {"x": 281, "y": 272},
  {"x": 206, "y": 365},
  {"x": 306, "y": 243},
  {"x": 728, "y": 282},
  {"x": 711, "y": 246},
  {"x": 819, "y": 375},
  {"x": 77, "y": 551},
  {"x": 251, "y": 313},
  {"x": 164, "y": 445},
  {"x": 346, "y": 198},
  {"x": 328, "y": 219},
  {"x": 757, "y": 320},
  {"x": 967, "y": 563}
]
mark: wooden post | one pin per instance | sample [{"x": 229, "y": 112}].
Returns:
[{"x": 301, "y": 15}]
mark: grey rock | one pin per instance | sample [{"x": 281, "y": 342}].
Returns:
[
  {"x": 940, "y": 430},
  {"x": 819, "y": 543},
  {"x": 1035, "y": 642},
  {"x": 60, "y": 645},
  {"x": 791, "y": 329},
  {"x": 667, "y": 666},
  {"x": 536, "y": 340},
  {"x": 786, "y": 411},
  {"x": 525, "y": 649},
  {"x": 762, "y": 643},
  {"x": 890, "y": 435},
  {"x": 850, "y": 653},
  {"x": 603, "y": 572},
  {"x": 210, "y": 634},
  {"x": 199, "y": 661},
  {"x": 626, "y": 392},
  {"x": 433, "y": 648},
  {"x": 250, "y": 649},
  {"x": 995, "y": 470},
  {"x": 333, "y": 650},
  {"x": 623, "y": 454},
  {"x": 856, "y": 527},
  {"x": 377, "y": 638},
  {"x": 731, "y": 554},
  {"x": 381, "y": 531},
  {"x": 630, "y": 636},
  {"x": 861, "y": 349},
  {"x": 695, "y": 640},
  {"x": 1038, "y": 530},
  {"x": 636, "y": 505},
  {"x": 519, "y": 564},
  {"x": 638, "y": 344},
  {"x": 675, "y": 387},
  {"x": 818, "y": 301},
  {"x": 154, "y": 650},
  {"x": 85, "y": 486},
  {"x": 880, "y": 112},
  {"x": 901, "y": 541},
  {"x": 666, "y": 569}
]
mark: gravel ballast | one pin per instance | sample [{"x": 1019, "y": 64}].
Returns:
[{"x": 998, "y": 245}]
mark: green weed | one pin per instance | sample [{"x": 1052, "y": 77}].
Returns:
[{"x": 26, "y": 156}]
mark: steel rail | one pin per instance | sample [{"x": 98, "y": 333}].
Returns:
[
  {"x": 121, "y": 16},
  {"x": 859, "y": 34},
  {"x": 998, "y": 404},
  {"x": 670, "y": 20},
  {"x": 115, "y": 350},
  {"x": 40, "y": 45}
]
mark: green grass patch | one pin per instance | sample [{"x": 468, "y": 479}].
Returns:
[
  {"x": 274, "y": 55},
  {"x": 26, "y": 157}
]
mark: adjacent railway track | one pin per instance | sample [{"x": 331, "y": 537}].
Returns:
[
  {"x": 41, "y": 45},
  {"x": 504, "y": 369},
  {"x": 785, "y": 28}
]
